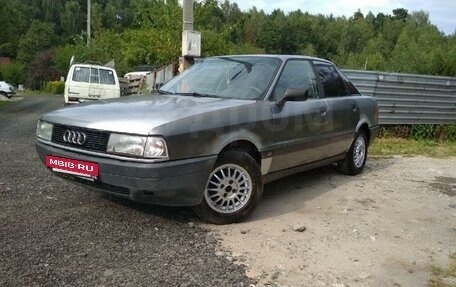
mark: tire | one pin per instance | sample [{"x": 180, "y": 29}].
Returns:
[
  {"x": 233, "y": 190},
  {"x": 355, "y": 159},
  {"x": 5, "y": 95}
]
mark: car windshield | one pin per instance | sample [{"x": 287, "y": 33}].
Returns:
[{"x": 243, "y": 77}]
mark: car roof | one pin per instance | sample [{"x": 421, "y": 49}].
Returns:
[
  {"x": 282, "y": 57},
  {"x": 92, "y": 66}
]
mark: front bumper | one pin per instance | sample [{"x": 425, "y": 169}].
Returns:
[{"x": 171, "y": 183}]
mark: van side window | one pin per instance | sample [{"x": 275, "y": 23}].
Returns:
[
  {"x": 81, "y": 74},
  {"x": 107, "y": 77}
]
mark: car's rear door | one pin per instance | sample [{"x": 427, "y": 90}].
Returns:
[
  {"x": 95, "y": 90},
  {"x": 299, "y": 127},
  {"x": 79, "y": 83},
  {"x": 109, "y": 85},
  {"x": 343, "y": 110}
]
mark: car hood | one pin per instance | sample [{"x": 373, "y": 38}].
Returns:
[{"x": 137, "y": 114}]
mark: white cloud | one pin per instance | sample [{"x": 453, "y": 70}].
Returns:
[{"x": 442, "y": 13}]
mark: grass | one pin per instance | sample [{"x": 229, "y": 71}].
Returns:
[
  {"x": 444, "y": 277},
  {"x": 4, "y": 103},
  {"x": 29, "y": 93},
  {"x": 410, "y": 147}
]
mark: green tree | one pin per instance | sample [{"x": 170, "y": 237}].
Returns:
[
  {"x": 39, "y": 37},
  {"x": 72, "y": 19}
]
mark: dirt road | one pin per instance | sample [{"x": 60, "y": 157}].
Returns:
[{"x": 385, "y": 227}]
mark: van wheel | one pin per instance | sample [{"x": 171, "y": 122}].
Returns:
[
  {"x": 355, "y": 159},
  {"x": 233, "y": 189},
  {"x": 4, "y": 94}
]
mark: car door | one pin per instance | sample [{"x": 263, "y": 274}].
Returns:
[
  {"x": 95, "y": 90},
  {"x": 299, "y": 127},
  {"x": 78, "y": 84},
  {"x": 109, "y": 88},
  {"x": 343, "y": 110}
]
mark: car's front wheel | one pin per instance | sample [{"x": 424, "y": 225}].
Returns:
[
  {"x": 233, "y": 189},
  {"x": 355, "y": 159}
]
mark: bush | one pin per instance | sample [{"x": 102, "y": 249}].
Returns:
[
  {"x": 423, "y": 132},
  {"x": 41, "y": 70},
  {"x": 395, "y": 131},
  {"x": 54, "y": 87},
  {"x": 13, "y": 73}
]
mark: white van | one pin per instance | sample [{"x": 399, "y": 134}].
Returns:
[{"x": 87, "y": 82}]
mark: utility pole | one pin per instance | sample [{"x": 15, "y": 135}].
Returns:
[
  {"x": 187, "y": 15},
  {"x": 88, "y": 21},
  {"x": 191, "y": 40}
]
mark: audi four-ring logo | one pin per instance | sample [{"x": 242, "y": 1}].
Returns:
[{"x": 73, "y": 137}]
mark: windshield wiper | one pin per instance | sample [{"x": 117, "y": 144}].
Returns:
[
  {"x": 199, "y": 95},
  {"x": 163, "y": 92}
]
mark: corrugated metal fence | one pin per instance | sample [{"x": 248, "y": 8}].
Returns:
[{"x": 408, "y": 98}]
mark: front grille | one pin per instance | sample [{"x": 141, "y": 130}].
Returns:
[{"x": 95, "y": 141}]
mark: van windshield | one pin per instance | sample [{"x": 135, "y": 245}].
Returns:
[{"x": 243, "y": 77}]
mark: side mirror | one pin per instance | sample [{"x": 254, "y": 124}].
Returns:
[{"x": 292, "y": 94}]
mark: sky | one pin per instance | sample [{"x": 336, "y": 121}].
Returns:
[{"x": 442, "y": 13}]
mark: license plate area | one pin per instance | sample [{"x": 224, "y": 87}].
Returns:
[{"x": 79, "y": 168}]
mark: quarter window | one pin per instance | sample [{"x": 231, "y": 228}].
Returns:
[
  {"x": 297, "y": 74},
  {"x": 332, "y": 82}
]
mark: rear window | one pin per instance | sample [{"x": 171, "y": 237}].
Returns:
[
  {"x": 94, "y": 75},
  {"x": 107, "y": 77},
  {"x": 81, "y": 74}
]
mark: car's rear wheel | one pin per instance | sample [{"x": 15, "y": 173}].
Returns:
[
  {"x": 355, "y": 159},
  {"x": 233, "y": 189},
  {"x": 5, "y": 95}
]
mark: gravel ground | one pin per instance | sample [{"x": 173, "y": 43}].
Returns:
[{"x": 54, "y": 233}]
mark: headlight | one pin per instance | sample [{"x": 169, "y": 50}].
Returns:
[
  {"x": 44, "y": 130},
  {"x": 148, "y": 147}
]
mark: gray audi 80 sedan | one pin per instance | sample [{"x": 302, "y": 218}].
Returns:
[{"x": 214, "y": 135}]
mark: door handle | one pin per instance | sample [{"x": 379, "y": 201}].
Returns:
[
  {"x": 323, "y": 112},
  {"x": 354, "y": 107}
]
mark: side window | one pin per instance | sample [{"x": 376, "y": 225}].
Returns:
[
  {"x": 81, "y": 74},
  {"x": 332, "y": 82},
  {"x": 94, "y": 76},
  {"x": 297, "y": 74},
  {"x": 350, "y": 88},
  {"x": 107, "y": 77}
]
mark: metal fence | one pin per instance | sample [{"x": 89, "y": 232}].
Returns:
[
  {"x": 408, "y": 98},
  {"x": 160, "y": 76}
]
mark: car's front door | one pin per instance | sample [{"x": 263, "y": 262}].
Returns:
[{"x": 299, "y": 127}]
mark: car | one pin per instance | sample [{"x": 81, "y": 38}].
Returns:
[
  {"x": 89, "y": 82},
  {"x": 215, "y": 134},
  {"x": 6, "y": 89}
]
